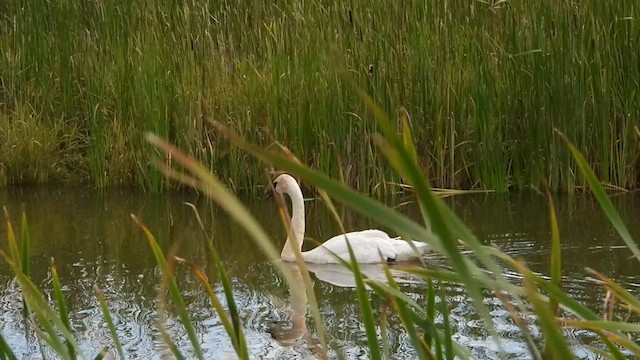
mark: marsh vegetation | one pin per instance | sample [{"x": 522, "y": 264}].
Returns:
[{"x": 485, "y": 84}]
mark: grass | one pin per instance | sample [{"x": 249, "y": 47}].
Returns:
[
  {"x": 484, "y": 83},
  {"x": 35, "y": 153}
]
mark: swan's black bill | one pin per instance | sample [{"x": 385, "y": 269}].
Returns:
[{"x": 268, "y": 192}]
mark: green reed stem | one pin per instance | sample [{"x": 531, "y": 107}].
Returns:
[{"x": 109, "y": 320}]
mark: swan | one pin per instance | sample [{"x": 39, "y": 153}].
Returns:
[{"x": 369, "y": 246}]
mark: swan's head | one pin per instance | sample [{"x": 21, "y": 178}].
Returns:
[{"x": 284, "y": 184}]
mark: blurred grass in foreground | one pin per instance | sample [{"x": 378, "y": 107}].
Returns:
[{"x": 536, "y": 298}]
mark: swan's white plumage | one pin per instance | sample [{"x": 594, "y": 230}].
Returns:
[{"x": 369, "y": 246}]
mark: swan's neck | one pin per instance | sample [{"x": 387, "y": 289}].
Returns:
[{"x": 296, "y": 233}]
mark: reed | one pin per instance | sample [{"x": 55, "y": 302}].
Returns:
[{"x": 485, "y": 84}]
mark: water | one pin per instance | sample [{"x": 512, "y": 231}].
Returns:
[{"x": 95, "y": 243}]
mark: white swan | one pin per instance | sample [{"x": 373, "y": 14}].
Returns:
[{"x": 369, "y": 246}]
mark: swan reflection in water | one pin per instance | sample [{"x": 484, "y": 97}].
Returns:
[
  {"x": 340, "y": 276},
  {"x": 297, "y": 311},
  {"x": 334, "y": 274},
  {"x": 294, "y": 335}
]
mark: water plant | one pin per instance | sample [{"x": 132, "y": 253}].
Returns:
[{"x": 485, "y": 82}]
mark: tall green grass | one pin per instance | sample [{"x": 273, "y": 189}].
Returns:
[{"x": 485, "y": 83}]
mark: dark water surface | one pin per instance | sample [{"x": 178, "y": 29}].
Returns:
[{"x": 95, "y": 243}]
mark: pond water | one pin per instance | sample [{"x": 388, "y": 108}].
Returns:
[{"x": 95, "y": 243}]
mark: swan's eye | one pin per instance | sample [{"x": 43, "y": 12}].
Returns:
[{"x": 275, "y": 184}]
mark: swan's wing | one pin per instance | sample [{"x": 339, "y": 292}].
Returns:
[
  {"x": 401, "y": 250},
  {"x": 371, "y": 233},
  {"x": 369, "y": 246},
  {"x": 366, "y": 249}
]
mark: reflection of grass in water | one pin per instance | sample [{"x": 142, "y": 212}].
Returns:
[
  {"x": 480, "y": 276},
  {"x": 484, "y": 82}
]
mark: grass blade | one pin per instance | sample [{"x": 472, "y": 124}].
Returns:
[
  {"x": 393, "y": 293},
  {"x": 568, "y": 304},
  {"x": 174, "y": 291},
  {"x": 233, "y": 327},
  {"x": 622, "y": 340},
  {"x": 603, "y": 325},
  {"x": 26, "y": 244},
  {"x": 11, "y": 238},
  {"x": 5, "y": 350},
  {"x": 505, "y": 299},
  {"x": 603, "y": 353},
  {"x": 623, "y": 294},
  {"x": 431, "y": 312},
  {"x": 407, "y": 136},
  {"x": 429, "y": 325},
  {"x": 400, "y": 306},
  {"x": 169, "y": 342},
  {"x": 52, "y": 341},
  {"x": 107, "y": 317},
  {"x": 46, "y": 316},
  {"x": 62, "y": 307},
  {"x": 444, "y": 310},
  {"x": 231, "y": 305},
  {"x": 432, "y": 274},
  {"x": 601, "y": 196},
  {"x": 102, "y": 354},
  {"x": 217, "y": 305},
  {"x": 571, "y": 305},
  {"x": 384, "y": 334},
  {"x": 555, "y": 343},
  {"x": 556, "y": 263},
  {"x": 365, "y": 309}
]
